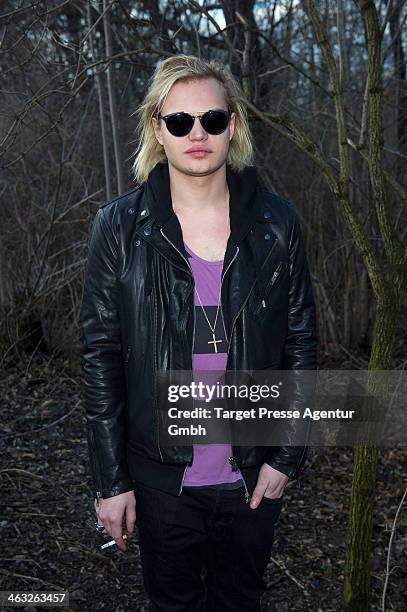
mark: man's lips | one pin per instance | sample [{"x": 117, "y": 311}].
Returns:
[{"x": 198, "y": 152}]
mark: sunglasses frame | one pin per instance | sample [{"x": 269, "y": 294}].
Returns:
[{"x": 200, "y": 115}]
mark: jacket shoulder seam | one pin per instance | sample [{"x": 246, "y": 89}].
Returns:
[{"x": 124, "y": 198}]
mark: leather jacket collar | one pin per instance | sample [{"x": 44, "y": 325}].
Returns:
[
  {"x": 244, "y": 203},
  {"x": 157, "y": 215}
]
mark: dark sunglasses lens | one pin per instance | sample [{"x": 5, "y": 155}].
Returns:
[
  {"x": 215, "y": 122},
  {"x": 179, "y": 124}
]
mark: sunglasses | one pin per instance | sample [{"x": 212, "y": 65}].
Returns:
[{"x": 180, "y": 124}]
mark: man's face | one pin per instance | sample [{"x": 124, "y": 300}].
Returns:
[{"x": 195, "y": 97}]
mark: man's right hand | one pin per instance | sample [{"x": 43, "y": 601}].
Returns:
[{"x": 110, "y": 511}]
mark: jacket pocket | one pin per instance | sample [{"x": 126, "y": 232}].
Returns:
[
  {"x": 274, "y": 501},
  {"x": 260, "y": 306}
]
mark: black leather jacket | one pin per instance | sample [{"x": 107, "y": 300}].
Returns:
[{"x": 137, "y": 316}]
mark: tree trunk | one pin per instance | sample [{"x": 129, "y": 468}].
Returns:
[
  {"x": 112, "y": 101},
  {"x": 360, "y": 520},
  {"x": 103, "y": 124}
]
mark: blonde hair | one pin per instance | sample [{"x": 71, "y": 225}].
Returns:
[{"x": 187, "y": 68}]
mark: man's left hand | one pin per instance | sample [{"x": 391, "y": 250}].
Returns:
[{"x": 270, "y": 483}]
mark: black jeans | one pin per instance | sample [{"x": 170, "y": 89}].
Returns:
[{"x": 204, "y": 530}]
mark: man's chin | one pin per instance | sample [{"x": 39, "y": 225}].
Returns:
[{"x": 198, "y": 169}]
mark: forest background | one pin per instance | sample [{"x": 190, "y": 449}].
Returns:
[{"x": 326, "y": 92}]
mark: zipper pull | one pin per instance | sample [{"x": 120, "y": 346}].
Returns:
[
  {"x": 273, "y": 279},
  {"x": 276, "y": 272},
  {"x": 233, "y": 463},
  {"x": 127, "y": 357}
]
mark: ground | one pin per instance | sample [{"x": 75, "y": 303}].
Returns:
[{"x": 46, "y": 522}]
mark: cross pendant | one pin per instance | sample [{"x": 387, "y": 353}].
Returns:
[{"x": 214, "y": 342}]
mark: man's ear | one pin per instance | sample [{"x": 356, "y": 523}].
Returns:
[
  {"x": 232, "y": 124},
  {"x": 157, "y": 129}
]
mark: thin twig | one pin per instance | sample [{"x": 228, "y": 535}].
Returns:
[
  {"x": 287, "y": 572},
  {"x": 388, "y": 570},
  {"x": 51, "y": 584},
  {"x": 46, "y": 426}
]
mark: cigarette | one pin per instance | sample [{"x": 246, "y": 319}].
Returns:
[{"x": 112, "y": 542}]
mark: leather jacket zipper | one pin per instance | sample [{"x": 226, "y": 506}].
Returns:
[
  {"x": 269, "y": 286},
  {"x": 154, "y": 300},
  {"x": 235, "y": 468},
  {"x": 233, "y": 460},
  {"x": 302, "y": 459},
  {"x": 127, "y": 356},
  {"x": 95, "y": 463},
  {"x": 182, "y": 481},
  {"x": 221, "y": 281}
]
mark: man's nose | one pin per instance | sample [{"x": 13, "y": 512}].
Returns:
[{"x": 197, "y": 132}]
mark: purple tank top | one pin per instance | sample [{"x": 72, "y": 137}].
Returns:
[{"x": 210, "y": 466}]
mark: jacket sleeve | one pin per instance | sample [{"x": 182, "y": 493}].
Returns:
[
  {"x": 300, "y": 352},
  {"x": 103, "y": 364}
]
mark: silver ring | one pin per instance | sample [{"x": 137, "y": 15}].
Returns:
[{"x": 99, "y": 527}]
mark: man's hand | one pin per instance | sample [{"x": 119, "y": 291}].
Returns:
[
  {"x": 270, "y": 481},
  {"x": 110, "y": 511}
]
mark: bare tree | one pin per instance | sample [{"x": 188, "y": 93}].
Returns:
[
  {"x": 103, "y": 124},
  {"x": 112, "y": 100}
]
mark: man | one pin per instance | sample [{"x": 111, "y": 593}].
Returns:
[{"x": 197, "y": 268}]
